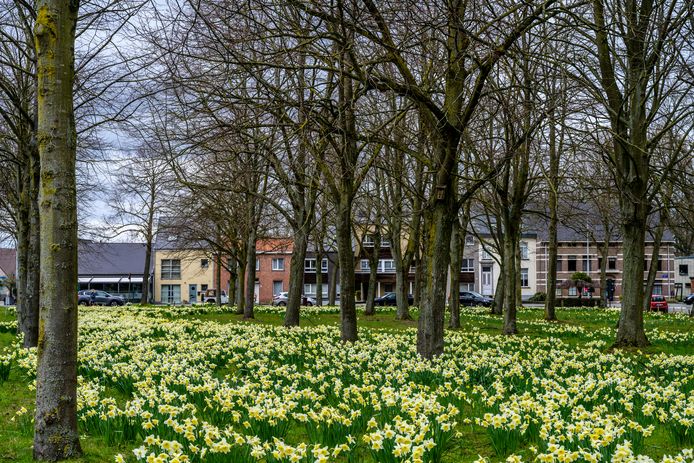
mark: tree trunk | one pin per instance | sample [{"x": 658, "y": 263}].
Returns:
[
  {"x": 250, "y": 271},
  {"x": 348, "y": 309},
  {"x": 218, "y": 279},
  {"x": 241, "y": 287},
  {"x": 319, "y": 278},
  {"x": 553, "y": 181},
  {"x": 510, "y": 276},
  {"x": 332, "y": 283},
  {"x": 233, "y": 277},
  {"x": 401, "y": 294},
  {"x": 631, "y": 330},
  {"x": 55, "y": 432},
  {"x": 296, "y": 278},
  {"x": 499, "y": 294},
  {"x": 456, "y": 264},
  {"x": 369, "y": 308},
  {"x": 145, "y": 274}
]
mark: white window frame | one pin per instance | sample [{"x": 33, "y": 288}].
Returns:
[
  {"x": 168, "y": 269},
  {"x": 168, "y": 294},
  {"x": 257, "y": 264},
  {"x": 310, "y": 265},
  {"x": 364, "y": 265},
  {"x": 204, "y": 263},
  {"x": 524, "y": 255},
  {"x": 324, "y": 265},
  {"x": 525, "y": 274},
  {"x": 278, "y": 264},
  {"x": 385, "y": 243},
  {"x": 383, "y": 268},
  {"x": 485, "y": 255},
  {"x": 468, "y": 265},
  {"x": 469, "y": 241},
  {"x": 368, "y": 241},
  {"x": 309, "y": 289}
]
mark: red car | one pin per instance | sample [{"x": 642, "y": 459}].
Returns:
[{"x": 659, "y": 303}]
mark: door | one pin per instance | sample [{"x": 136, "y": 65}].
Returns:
[
  {"x": 192, "y": 294},
  {"x": 487, "y": 288},
  {"x": 257, "y": 291}
]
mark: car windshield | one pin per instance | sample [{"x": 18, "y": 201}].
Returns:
[
  {"x": 471, "y": 294},
  {"x": 657, "y": 298}
]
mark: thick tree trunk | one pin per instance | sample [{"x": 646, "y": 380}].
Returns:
[
  {"x": 23, "y": 313},
  {"x": 456, "y": 264},
  {"x": 296, "y": 278},
  {"x": 55, "y": 432},
  {"x": 499, "y": 294},
  {"x": 218, "y": 279},
  {"x": 511, "y": 282},
  {"x": 233, "y": 277},
  {"x": 369, "y": 308},
  {"x": 241, "y": 288},
  {"x": 145, "y": 274},
  {"x": 631, "y": 330},
  {"x": 332, "y": 283},
  {"x": 348, "y": 309},
  {"x": 401, "y": 293},
  {"x": 319, "y": 278},
  {"x": 553, "y": 183},
  {"x": 250, "y": 271}
]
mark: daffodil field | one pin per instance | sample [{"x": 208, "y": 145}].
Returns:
[{"x": 195, "y": 384}]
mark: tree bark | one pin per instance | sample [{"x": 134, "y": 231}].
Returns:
[
  {"x": 250, "y": 271},
  {"x": 296, "y": 277},
  {"x": 145, "y": 274},
  {"x": 369, "y": 308},
  {"x": 218, "y": 279},
  {"x": 499, "y": 294},
  {"x": 553, "y": 184},
  {"x": 653, "y": 268},
  {"x": 510, "y": 278},
  {"x": 456, "y": 265},
  {"x": 332, "y": 283},
  {"x": 241, "y": 288},
  {"x": 233, "y": 277},
  {"x": 348, "y": 309},
  {"x": 55, "y": 432}
]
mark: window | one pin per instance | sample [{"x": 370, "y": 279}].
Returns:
[
  {"x": 660, "y": 265},
  {"x": 278, "y": 264},
  {"x": 657, "y": 289},
  {"x": 310, "y": 265},
  {"x": 684, "y": 269},
  {"x": 364, "y": 265},
  {"x": 524, "y": 250},
  {"x": 572, "y": 291},
  {"x": 309, "y": 289},
  {"x": 204, "y": 263},
  {"x": 385, "y": 243},
  {"x": 469, "y": 240},
  {"x": 485, "y": 255},
  {"x": 368, "y": 241},
  {"x": 257, "y": 264},
  {"x": 468, "y": 265},
  {"x": 559, "y": 263},
  {"x": 611, "y": 263},
  {"x": 171, "y": 294},
  {"x": 324, "y": 265},
  {"x": 524, "y": 277},
  {"x": 388, "y": 287},
  {"x": 203, "y": 288},
  {"x": 171, "y": 269},
  {"x": 586, "y": 263},
  {"x": 277, "y": 287},
  {"x": 387, "y": 265},
  {"x": 571, "y": 264},
  {"x": 466, "y": 287},
  {"x": 557, "y": 290}
]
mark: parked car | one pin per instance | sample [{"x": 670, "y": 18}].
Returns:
[
  {"x": 390, "y": 299},
  {"x": 84, "y": 297},
  {"x": 689, "y": 300},
  {"x": 210, "y": 297},
  {"x": 473, "y": 298},
  {"x": 282, "y": 298},
  {"x": 659, "y": 303}
]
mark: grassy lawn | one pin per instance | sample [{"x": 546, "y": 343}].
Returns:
[{"x": 191, "y": 339}]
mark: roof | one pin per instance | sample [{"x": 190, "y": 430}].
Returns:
[
  {"x": 8, "y": 261},
  {"x": 111, "y": 258}
]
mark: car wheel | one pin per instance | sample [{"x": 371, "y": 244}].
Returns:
[
  {"x": 113, "y": 303},
  {"x": 281, "y": 304},
  {"x": 83, "y": 303},
  {"x": 308, "y": 304}
]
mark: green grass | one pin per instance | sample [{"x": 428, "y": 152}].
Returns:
[{"x": 15, "y": 442}]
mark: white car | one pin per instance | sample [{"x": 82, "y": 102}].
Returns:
[{"x": 210, "y": 297}]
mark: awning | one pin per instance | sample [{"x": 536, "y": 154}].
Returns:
[{"x": 109, "y": 280}]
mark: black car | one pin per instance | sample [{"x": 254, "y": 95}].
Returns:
[
  {"x": 84, "y": 297},
  {"x": 472, "y": 298},
  {"x": 389, "y": 299},
  {"x": 689, "y": 299}
]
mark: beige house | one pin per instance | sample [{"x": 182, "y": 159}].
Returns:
[{"x": 181, "y": 275}]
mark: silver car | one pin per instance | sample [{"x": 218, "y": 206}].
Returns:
[{"x": 282, "y": 298}]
